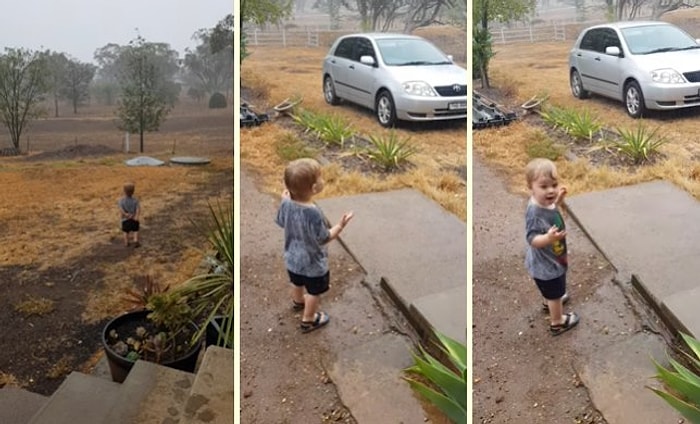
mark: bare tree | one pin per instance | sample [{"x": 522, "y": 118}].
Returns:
[
  {"x": 76, "y": 82},
  {"x": 382, "y": 15}
]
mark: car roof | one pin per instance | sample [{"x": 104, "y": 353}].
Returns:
[
  {"x": 629, "y": 24},
  {"x": 382, "y": 35}
]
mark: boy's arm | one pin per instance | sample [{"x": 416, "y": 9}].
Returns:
[{"x": 544, "y": 240}]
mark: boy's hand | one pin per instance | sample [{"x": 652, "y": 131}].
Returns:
[
  {"x": 347, "y": 216},
  {"x": 560, "y": 196},
  {"x": 554, "y": 234}
]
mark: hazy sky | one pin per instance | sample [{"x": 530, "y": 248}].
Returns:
[{"x": 79, "y": 27}]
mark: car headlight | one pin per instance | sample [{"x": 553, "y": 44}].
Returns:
[
  {"x": 667, "y": 76},
  {"x": 419, "y": 88}
]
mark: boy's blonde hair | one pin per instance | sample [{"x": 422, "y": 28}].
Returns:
[
  {"x": 300, "y": 177},
  {"x": 129, "y": 189},
  {"x": 540, "y": 167}
]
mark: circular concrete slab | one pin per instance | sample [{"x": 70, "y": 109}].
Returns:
[
  {"x": 189, "y": 160},
  {"x": 144, "y": 161}
]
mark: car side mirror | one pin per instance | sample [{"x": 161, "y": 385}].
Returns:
[
  {"x": 367, "y": 60},
  {"x": 613, "y": 51}
]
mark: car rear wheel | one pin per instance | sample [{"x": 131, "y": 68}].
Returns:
[
  {"x": 329, "y": 91},
  {"x": 577, "y": 85},
  {"x": 385, "y": 110},
  {"x": 634, "y": 100}
]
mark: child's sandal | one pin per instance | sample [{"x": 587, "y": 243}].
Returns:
[
  {"x": 570, "y": 322},
  {"x": 320, "y": 319}
]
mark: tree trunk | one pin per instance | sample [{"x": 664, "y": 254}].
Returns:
[
  {"x": 55, "y": 105},
  {"x": 141, "y": 140}
]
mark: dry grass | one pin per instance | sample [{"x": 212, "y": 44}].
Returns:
[
  {"x": 61, "y": 368},
  {"x": 35, "y": 306},
  {"x": 524, "y": 72},
  {"x": 277, "y": 74},
  {"x": 9, "y": 380}
]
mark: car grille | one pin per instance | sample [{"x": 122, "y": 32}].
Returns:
[
  {"x": 449, "y": 91},
  {"x": 692, "y": 76}
]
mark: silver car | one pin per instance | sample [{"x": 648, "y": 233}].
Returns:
[
  {"x": 646, "y": 65},
  {"x": 399, "y": 77}
]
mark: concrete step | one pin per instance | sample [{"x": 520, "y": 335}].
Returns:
[
  {"x": 151, "y": 394},
  {"x": 18, "y": 406},
  {"x": 80, "y": 399},
  {"x": 211, "y": 397}
]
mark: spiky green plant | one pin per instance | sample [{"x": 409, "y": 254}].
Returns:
[
  {"x": 334, "y": 130},
  {"x": 448, "y": 388},
  {"x": 582, "y": 125},
  {"x": 211, "y": 293},
  {"x": 639, "y": 144},
  {"x": 682, "y": 385},
  {"x": 390, "y": 152}
]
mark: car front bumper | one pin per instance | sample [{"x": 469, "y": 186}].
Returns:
[
  {"x": 667, "y": 96},
  {"x": 417, "y": 108}
]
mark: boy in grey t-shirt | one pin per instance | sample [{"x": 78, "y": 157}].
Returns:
[
  {"x": 305, "y": 238},
  {"x": 545, "y": 232},
  {"x": 129, "y": 211}
]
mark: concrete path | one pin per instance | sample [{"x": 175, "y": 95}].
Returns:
[
  {"x": 417, "y": 249},
  {"x": 650, "y": 231}
]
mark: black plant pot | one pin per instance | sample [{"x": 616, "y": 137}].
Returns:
[
  {"x": 119, "y": 366},
  {"x": 213, "y": 331}
]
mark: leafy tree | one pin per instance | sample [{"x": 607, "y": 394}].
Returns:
[
  {"x": 23, "y": 85},
  {"x": 485, "y": 11},
  {"x": 57, "y": 63},
  {"x": 109, "y": 67},
  {"x": 260, "y": 12},
  {"x": 76, "y": 82},
  {"x": 210, "y": 64},
  {"x": 148, "y": 92},
  {"x": 380, "y": 15},
  {"x": 482, "y": 52}
]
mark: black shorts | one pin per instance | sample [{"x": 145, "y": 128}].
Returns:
[
  {"x": 314, "y": 285},
  {"x": 552, "y": 289},
  {"x": 130, "y": 226}
]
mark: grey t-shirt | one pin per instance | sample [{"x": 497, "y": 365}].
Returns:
[
  {"x": 548, "y": 262},
  {"x": 305, "y": 235},
  {"x": 129, "y": 204}
]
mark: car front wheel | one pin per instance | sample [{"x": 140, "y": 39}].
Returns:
[
  {"x": 385, "y": 110},
  {"x": 329, "y": 91},
  {"x": 577, "y": 85},
  {"x": 634, "y": 100}
]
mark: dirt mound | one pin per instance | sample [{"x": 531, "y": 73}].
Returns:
[{"x": 73, "y": 152}]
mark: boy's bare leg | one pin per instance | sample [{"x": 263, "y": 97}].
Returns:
[
  {"x": 556, "y": 311},
  {"x": 126, "y": 239},
  {"x": 310, "y": 307},
  {"x": 297, "y": 294}
]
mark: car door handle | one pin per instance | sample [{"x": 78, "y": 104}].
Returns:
[
  {"x": 598, "y": 59},
  {"x": 352, "y": 66}
]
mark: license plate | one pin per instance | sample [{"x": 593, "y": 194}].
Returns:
[{"x": 457, "y": 106}]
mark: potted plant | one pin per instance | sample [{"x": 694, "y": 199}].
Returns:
[
  {"x": 161, "y": 330},
  {"x": 210, "y": 294}
]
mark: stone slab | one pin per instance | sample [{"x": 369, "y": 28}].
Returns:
[
  {"x": 617, "y": 375},
  {"x": 445, "y": 310},
  {"x": 18, "y": 406},
  {"x": 368, "y": 380},
  {"x": 419, "y": 247},
  {"x": 81, "y": 398},
  {"x": 151, "y": 394},
  {"x": 647, "y": 230},
  {"x": 683, "y": 307},
  {"x": 211, "y": 398}
]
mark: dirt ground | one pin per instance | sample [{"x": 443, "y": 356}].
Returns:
[{"x": 63, "y": 266}]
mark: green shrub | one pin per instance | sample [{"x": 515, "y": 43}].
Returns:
[
  {"x": 639, "y": 144},
  {"x": 682, "y": 385},
  {"x": 390, "y": 152},
  {"x": 330, "y": 129},
  {"x": 290, "y": 148},
  {"x": 580, "y": 125},
  {"x": 450, "y": 392},
  {"x": 217, "y": 101}
]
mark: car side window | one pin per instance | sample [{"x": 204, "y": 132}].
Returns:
[
  {"x": 588, "y": 42},
  {"x": 363, "y": 47},
  {"x": 345, "y": 48},
  {"x": 610, "y": 39}
]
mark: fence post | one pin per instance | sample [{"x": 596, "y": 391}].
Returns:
[
  {"x": 255, "y": 36},
  {"x": 532, "y": 40},
  {"x": 284, "y": 37},
  {"x": 503, "y": 36}
]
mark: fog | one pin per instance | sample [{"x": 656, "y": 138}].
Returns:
[{"x": 79, "y": 27}]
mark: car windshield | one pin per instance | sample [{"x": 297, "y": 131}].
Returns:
[
  {"x": 657, "y": 39},
  {"x": 410, "y": 52}
]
